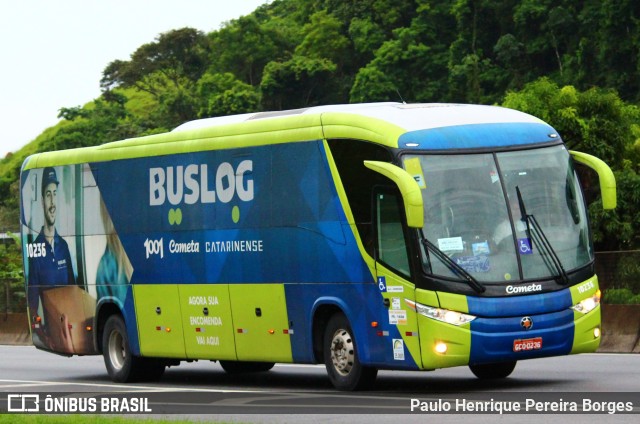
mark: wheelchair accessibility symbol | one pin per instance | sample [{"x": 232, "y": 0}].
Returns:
[
  {"x": 524, "y": 246},
  {"x": 382, "y": 284}
]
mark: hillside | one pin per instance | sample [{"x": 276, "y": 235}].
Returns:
[{"x": 574, "y": 64}]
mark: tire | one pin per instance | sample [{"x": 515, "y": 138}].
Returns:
[
  {"x": 493, "y": 371},
  {"x": 237, "y": 367},
  {"x": 121, "y": 365},
  {"x": 341, "y": 357},
  {"x": 151, "y": 369}
]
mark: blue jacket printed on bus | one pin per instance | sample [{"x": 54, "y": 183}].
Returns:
[{"x": 52, "y": 268}]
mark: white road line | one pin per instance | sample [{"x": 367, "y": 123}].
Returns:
[
  {"x": 130, "y": 387},
  {"x": 20, "y": 385}
]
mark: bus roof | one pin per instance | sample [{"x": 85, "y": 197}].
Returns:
[
  {"x": 426, "y": 126},
  {"x": 410, "y": 117}
]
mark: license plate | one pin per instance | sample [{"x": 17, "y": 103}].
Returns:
[{"x": 522, "y": 345}]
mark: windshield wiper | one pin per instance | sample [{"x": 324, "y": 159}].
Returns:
[
  {"x": 453, "y": 266},
  {"x": 523, "y": 215},
  {"x": 541, "y": 240}
]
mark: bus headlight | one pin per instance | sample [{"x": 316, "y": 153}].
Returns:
[
  {"x": 439, "y": 314},
  {"x": 589, "y": 304}
]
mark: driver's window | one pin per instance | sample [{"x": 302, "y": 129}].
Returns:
[{"x": 391, "y": 244}]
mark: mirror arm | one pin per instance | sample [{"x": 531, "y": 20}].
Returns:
[
  {"x": 409, "y": 189},
  {"x": 605, "y": 175}
]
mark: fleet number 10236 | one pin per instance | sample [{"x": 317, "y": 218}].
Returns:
[
  {"x": 36, "y": 250},
  {"x": 154, "y": 247}
]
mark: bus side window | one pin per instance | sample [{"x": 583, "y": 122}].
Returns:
[
  {"x": 391, "y": 243},
  {"x": 358, "y": 181}
]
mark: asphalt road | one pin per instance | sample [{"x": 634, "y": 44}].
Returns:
[{"x": 302, "y": 393}]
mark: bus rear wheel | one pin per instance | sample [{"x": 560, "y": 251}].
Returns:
[
  {"x": 121, "y": 365},
  {"x": 341, "y": 357},
  {"x": 493, "y": 371}
]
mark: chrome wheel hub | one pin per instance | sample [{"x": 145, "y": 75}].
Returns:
[{"x": 342, "y": 352}]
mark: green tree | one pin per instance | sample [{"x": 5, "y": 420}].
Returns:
[
  {"x": 373, "y": 85},
  {"x": 323, "y": 39},
  {"x": 414, "y": 60},
  {"x": 597, "y": 122},
  {"x": 168, "y": 69},
  {"x": 179, "y": 56},
  {"x": 510, "y": 54},
  {"x": 10, "y": 207},
  {"x": 470, "y": 65},
  {"x": 105, "y": 119},
  {"x": 298, "y": 82},
  {"x": 244, "y": 47},
  {"x": 11, "y": 275},
  {"x": 609, "y": 46},
  {"x": 223, "y": 94}
]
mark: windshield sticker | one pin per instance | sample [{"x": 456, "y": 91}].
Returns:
[
  {"x": 395, "y": 289},
  {"x": 397, "y": 317},
  {"x": 395, "y": 303},
  {"x": 524, "y": 246},
  {"x": 494, "y": 177},
  {"x": 414, "y": 168},
  {"x": 450, "y": 244},
  {"x": 481, "y": 248},
  {"x": 474, "y": 263},
  {"x": 398, "y": 349}
]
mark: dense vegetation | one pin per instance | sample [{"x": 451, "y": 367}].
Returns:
[{"x": 575, "y": 64}]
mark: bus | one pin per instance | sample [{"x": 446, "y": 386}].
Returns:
[{"x": 364, "y": 236}]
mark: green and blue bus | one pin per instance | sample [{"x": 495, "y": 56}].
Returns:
[{"x": 365, "y": 237}]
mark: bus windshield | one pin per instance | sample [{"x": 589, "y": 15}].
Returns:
[{"x": 504, "y": 216}]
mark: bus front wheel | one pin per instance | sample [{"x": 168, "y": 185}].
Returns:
[
  {"x": 121, "y": 365},
  {"x": 493, "y": 371},
  {"x": 341, "y": 357}
]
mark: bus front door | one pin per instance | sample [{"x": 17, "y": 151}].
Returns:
[{"x": 393, "y": 278}]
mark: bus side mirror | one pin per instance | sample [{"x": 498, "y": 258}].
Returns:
[
  {"x": 409, "y": 189},
  {"x": 605, "y": 176}
]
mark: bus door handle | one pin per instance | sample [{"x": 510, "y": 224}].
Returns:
[
  {"x": 386, "y": 303},
  {"x": 158, "y": 310},
  {"x": 205, "y": 311}
]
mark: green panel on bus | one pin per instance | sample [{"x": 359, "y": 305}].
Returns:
[
  {"x": 584, "y": 340},
  {"x": 261, "y": 324},
  {"x": 433, "y": 333},
  {"x": 207, "y": 322},
  {"x": 159, "y": 320}
]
